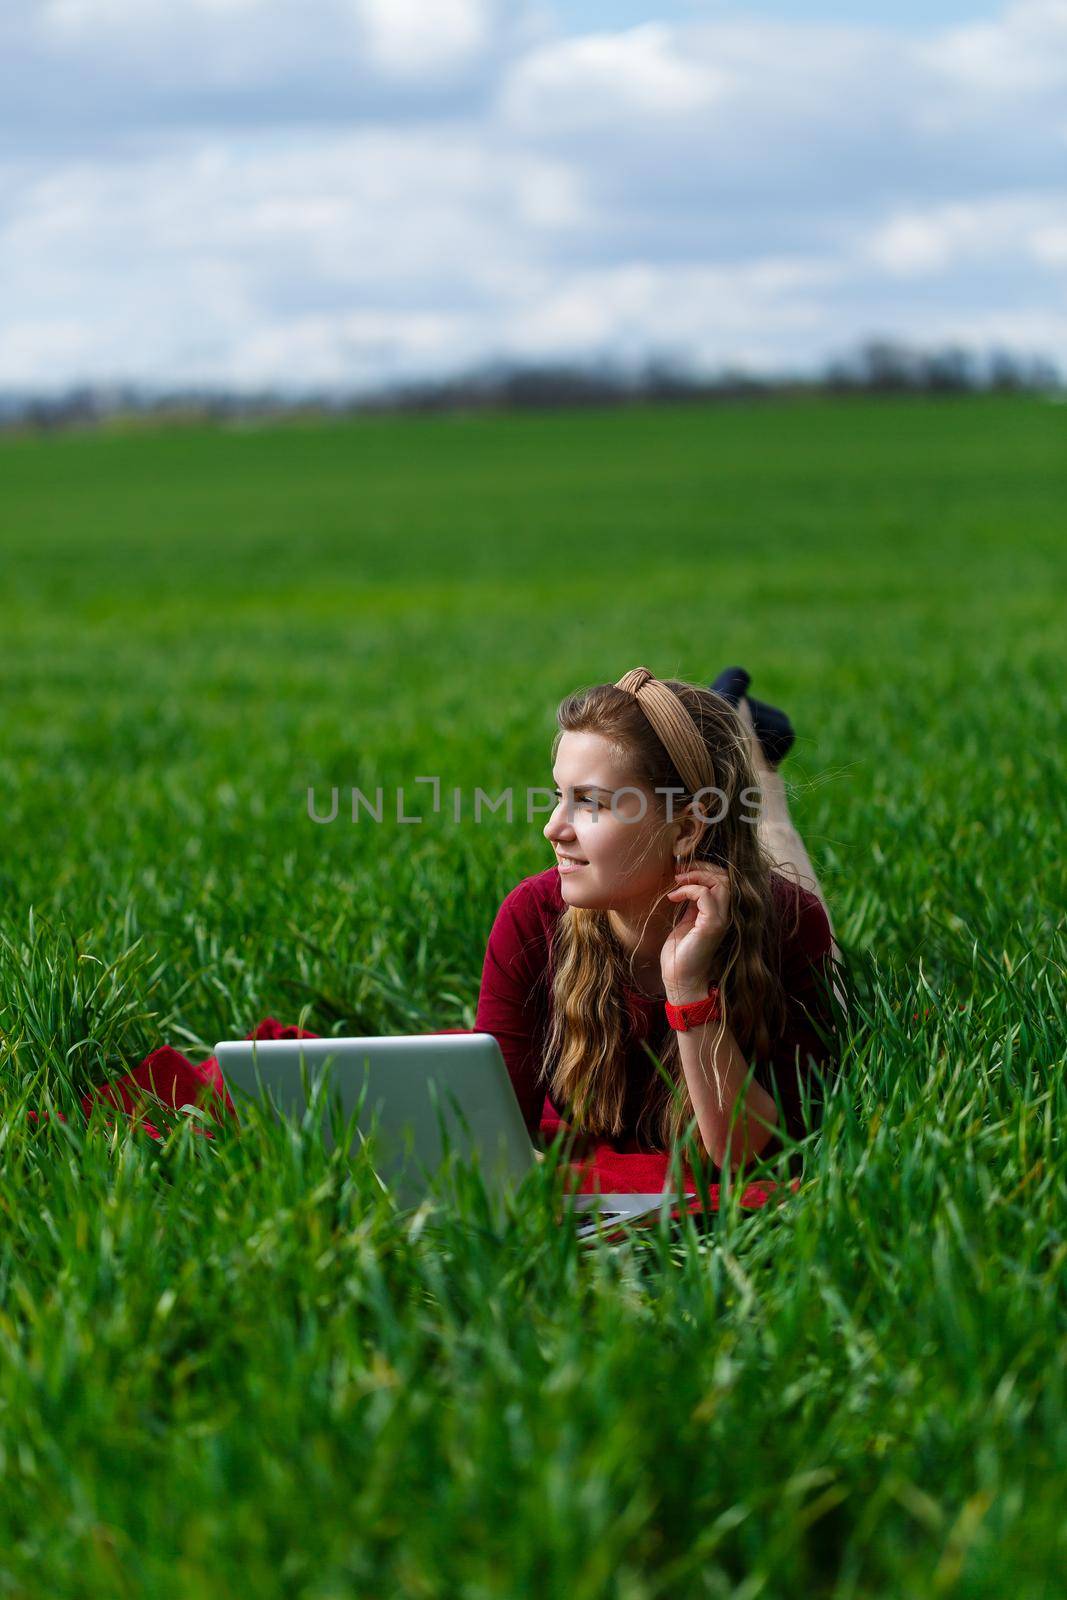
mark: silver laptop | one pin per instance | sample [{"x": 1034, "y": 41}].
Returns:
[{"x": 417, "y": 1088}]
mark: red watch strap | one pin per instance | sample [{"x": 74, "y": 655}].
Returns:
[{"x": 697, "y": 1012}]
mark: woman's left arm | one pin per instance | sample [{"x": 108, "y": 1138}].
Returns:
[
  {"x": 715, "y": 1067},
  {"x": 714, "y": 1074}
]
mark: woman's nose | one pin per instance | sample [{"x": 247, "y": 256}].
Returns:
[{"x": 557, "y": 826}]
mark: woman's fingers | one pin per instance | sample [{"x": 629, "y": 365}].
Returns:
[
  {"x": 699, "y": 893},
  {"x": 698, "y": 886}
]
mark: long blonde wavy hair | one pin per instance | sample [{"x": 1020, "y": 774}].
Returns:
[{"x": 584, "y": 1066}]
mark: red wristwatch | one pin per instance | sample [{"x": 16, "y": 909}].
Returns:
[{"x": 682, "y": 1018}]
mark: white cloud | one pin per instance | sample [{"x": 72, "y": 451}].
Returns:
[
  {"x": 227, "y": 253},
  {"x": 411, "y": 38},
  {"x": 599, "y": 78},
  {"x": 352, "y": 347},
  {"x": 704, "y": 313},
  {"x": 345, "y": 191},
  {"x": 1049, "y": 244},
  {"x": 919, "y": 243},
  {"x": 1022, "y": 51},
  {"x": 549, "y": 195},
  {"x": 1037, "y": 329},
  {"x": 110, "y": 64},
  {"x": 72, "y": 17}
]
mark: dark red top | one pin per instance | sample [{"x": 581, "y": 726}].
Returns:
[{"x": 515, "y": 997}]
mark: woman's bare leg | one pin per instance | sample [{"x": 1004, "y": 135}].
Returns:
[{"x": 776, "y": 829}]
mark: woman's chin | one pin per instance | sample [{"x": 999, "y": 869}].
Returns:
[{"x": 578, "y": 891}]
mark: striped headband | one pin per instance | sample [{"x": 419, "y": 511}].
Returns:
[{"x": 677, "y": 731}]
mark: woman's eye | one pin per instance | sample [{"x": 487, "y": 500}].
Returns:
[{"x": 581, "y": 800}]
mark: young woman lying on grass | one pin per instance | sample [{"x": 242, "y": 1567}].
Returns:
[{"x": 682, "y": 918}]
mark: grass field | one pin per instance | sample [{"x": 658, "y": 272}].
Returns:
[{"x": 227, "y": 1367}]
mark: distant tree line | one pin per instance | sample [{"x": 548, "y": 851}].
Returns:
[{"x": 877, "y": 366}]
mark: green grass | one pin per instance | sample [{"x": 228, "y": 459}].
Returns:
[{"x": 229, "y": 1366}]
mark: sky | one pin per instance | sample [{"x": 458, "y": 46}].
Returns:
[{"x": 340, "y": 194}]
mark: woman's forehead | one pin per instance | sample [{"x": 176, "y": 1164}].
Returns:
[{"x": 589, "y": 759}]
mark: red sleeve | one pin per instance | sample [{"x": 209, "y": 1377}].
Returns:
[
  {"x": 807, "y": 970},
  {"x": 512, "y": 998}
]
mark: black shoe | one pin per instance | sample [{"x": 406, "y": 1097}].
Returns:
[{"x": 773, "y": 728}]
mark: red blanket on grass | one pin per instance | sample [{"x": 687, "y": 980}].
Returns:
[{"x": 177, "y": 1081}]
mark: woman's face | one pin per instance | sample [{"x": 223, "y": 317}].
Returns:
[{"x": 626, "y": 848}]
